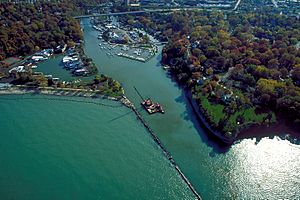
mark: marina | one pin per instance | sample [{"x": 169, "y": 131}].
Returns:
[
  {"x": 208, "y": 166},
  {"x": 113, "y": 43}
]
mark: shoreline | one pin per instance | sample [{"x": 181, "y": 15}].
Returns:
[
  {"x": 246, "y": 131},
  {"x": 164, "y": 150},
  {"x": 17, "y": 90},
  {"x": 70, "y": 92},
  {"x": 203, "y": 121}
]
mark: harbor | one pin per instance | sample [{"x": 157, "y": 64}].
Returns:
[
  {"x": 208, "y": 166},
  {"x": 122, "y": 42},
  {"x": 84, "y": 145}
]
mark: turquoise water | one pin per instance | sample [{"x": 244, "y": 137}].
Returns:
[
  {"x": 66, "y": 150},
  {"x": 54, "y": 66},
  {"x": 268, "y": 169}
]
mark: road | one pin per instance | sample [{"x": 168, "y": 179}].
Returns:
[{"x": 142, "y": 11}]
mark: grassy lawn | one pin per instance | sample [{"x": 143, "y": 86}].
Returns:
[
  {"x": 216, "y": 113},
  {"x": 214, "y": 110},
  {"x": 250, "y": 116}
]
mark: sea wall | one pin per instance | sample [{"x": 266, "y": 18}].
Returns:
[
  {"x": 55, "y": 92},
  {"x": 19, "y": 90},
  {"x": 203, "y": 120}
]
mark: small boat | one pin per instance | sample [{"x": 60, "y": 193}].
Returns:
[{"x": 166, "y": 67}]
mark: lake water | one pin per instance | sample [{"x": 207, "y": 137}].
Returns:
[
  {"x": 62, "y": 150},
  {"x": 53, "y": 149},
  {"x": 251, "y": 169}
]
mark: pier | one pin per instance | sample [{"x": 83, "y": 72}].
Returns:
[
  {"x": 126, "y": 102},
  {"x": 90, "y": 94},
  {"x": 131, "y": 57}
]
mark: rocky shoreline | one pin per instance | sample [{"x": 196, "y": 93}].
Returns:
[
  {"x": 20, "y": 90},
  {"x": 204, "y": 122},
  {"x": 17, "y": 90}
]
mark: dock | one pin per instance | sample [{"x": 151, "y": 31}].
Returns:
[{"x": 125, "y": 55}]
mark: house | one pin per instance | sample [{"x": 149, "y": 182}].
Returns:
[
  {"x": 4, "y": 86},
  {"x": 20, "y": 68},
  {"x": 226, "y": 98},
  {"x": 60, "y": 48}
]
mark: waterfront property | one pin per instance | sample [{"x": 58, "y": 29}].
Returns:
[
  {"x": 208, "y": 165},
  {"x": 124, "y": 42}
]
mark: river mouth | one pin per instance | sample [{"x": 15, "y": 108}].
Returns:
[
  {"x": 238, "y": 172},
  {"x": 70, "y": 148}
]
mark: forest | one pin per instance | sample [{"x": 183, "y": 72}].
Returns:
[
  {"x": 242, "y": 67},
  {"x": 27, "y": 28}
]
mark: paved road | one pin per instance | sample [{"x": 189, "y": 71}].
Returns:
[{"x": 141, "y": 11}]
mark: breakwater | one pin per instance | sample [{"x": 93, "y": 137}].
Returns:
[
  {"x": 61, "y": 92},
  {"x": 60, "y": 99},
  {"x": 126, "y": 102},
  {"x": 123, "y": 100}
]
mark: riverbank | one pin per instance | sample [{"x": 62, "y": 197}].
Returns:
[
  {"x": 206, "y": 164},
  {"x": 249, "y": 130},
  {"x": 204, "y": 122},
  {"x": 19, "y": 90},
  {"x": 69, "y": 92}
]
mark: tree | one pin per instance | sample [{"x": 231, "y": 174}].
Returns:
[
  {"x": 296, "y": 75},
  {"x": 210, "y": 71},
  {"x": 261, "y": 72},
  {"x": 265, "y": 98},
  {"x": 273, "y": 63}
]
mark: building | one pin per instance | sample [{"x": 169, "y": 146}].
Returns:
[{"x": 132, "y": 3}]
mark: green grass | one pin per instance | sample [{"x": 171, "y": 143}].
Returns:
[
  {"x": 214, "y": 110},
  {"x": 250, "y": 116}
]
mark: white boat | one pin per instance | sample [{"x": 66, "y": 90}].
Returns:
[{"x": 48, "y": 76}]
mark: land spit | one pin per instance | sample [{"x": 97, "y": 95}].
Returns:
[{"x": 70, "y": 92}]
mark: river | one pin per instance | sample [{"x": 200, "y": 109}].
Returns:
[
  {"x": 266, "y": 168},
  {"x": 53, "y": 149}
]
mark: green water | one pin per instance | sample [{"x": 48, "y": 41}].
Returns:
[
  {"x": 66, "y": 150},
  {"x": 268, "y": 169},
  {"x": 54, "y": 66}
]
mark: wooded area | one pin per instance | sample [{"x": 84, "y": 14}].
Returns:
[{"x": 26, "y": 28}]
